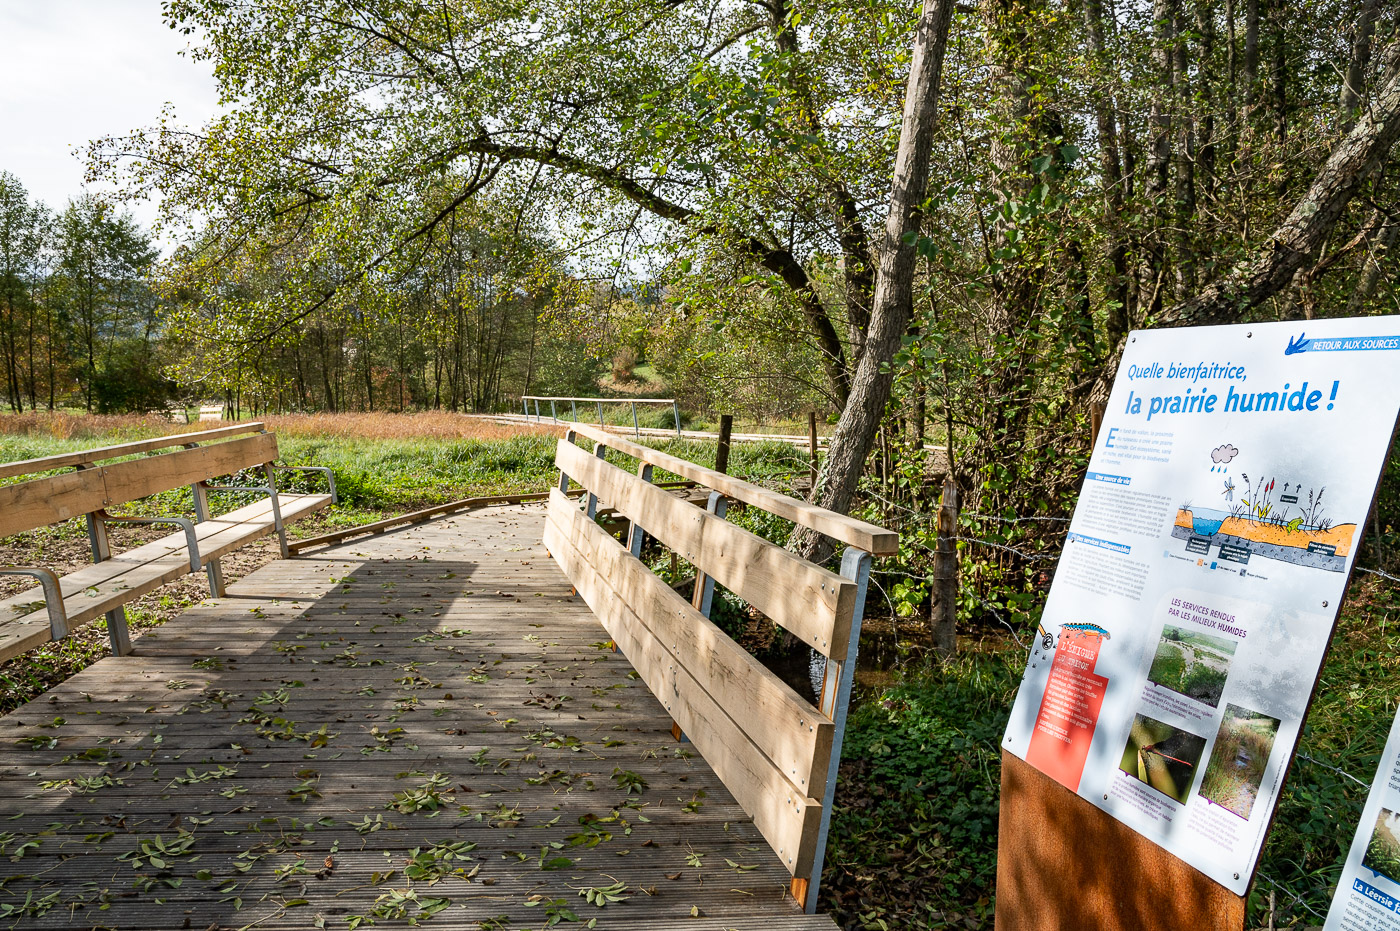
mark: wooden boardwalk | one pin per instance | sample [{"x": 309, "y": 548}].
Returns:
[{"x": 420, "y": 726}]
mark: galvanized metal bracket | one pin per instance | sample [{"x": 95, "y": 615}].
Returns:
[
  {"x": 835, "y": 701},
  {"x": 330, "y": 476},
  {"x": 191, "y": 538},
  {"x": 53, "y": 597}
]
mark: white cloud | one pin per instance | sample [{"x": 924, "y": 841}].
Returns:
[{"x": 75, "y": 70}]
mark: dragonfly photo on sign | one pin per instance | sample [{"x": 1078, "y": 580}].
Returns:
[{"x": 1162, "y": 756}]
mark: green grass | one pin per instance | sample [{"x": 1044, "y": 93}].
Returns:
[
  {"x": 914, "y": 827},
  {"x": 1382, "y": 855},
  {"x": 1241, "y": 737}
]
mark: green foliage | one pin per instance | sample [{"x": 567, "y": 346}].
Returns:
[{"x": 917, "y": 802}]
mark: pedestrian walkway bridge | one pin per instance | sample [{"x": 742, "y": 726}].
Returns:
[{"x": 427, "y": 726}]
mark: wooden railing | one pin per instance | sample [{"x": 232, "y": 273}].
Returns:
[{"x": 776, "y": 752}]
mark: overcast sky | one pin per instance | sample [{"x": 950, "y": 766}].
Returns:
[{"x": 74, "y": 70}]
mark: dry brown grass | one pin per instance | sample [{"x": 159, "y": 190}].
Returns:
[
  {"x": 432, "y": 425},
  {"x": 426, "y": 425},
  {"x": 64, "y": 426}
]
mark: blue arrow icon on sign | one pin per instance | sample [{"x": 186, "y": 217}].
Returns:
[{"x": 1296, "y": 345}]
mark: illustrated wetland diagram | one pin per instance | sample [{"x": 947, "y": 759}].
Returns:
[
  {"x": 1265, "y": 517},
  {"x": 1192, "y": 664}
]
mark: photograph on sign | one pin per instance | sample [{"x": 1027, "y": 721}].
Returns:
[
  {"x": 1201, "y": 576},
  {"x": 1368, "y": 894}
]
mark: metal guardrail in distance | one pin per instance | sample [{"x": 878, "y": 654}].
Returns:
[
  {"x": 775, "y": 751},
  {"x": 598, "y": 402}
]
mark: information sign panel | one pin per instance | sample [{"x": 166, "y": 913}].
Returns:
[
  {"x": 1202, "y": 573},
  {"x": 1368, "y": 895}
]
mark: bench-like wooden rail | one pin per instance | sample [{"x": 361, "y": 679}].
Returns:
[
  {"x": 113, "y": 580},
  {"x": 776, "y": 752},
  {"x": 89, "y": 456}
]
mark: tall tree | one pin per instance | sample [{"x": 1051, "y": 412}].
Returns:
[
  {"x": 102, "y": 259},
  {"x": 894, "y": 281},
  {"x": 22, "y": 228}
]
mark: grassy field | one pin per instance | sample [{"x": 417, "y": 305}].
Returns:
[
  {"x": 1383, "y": 850},
  {"x": 1192, "y": 664},
  {"x": 1238, "y": 758}
]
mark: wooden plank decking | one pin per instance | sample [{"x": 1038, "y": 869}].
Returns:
[{"x": 421, "y": 725}]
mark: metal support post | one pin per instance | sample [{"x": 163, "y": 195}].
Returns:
[
  {"x": 600, "y": 416},
  {"x": 635, "y": 534},
  {"x": 191, "y": 538},
  {"x": 601, "y": 452},
  {"x": 53, "y": 598},
  {"x": 563, "y": 478},
  {"x": 537, "y": 410},
  {"x": 834, "y": 702},
  {"x": 573, "y": 409},
  {"x": 676, "y": 413},
  {"x": 213, "y": 569},
  {"x": 636, "y": 429},
  {"x": 704, "y": 596},
  {"x": 525, "y": 406},
  {"x": 276, "y": 511},
  {"x": 118, "y": 634},
  {"x": 553, "y": 411}
]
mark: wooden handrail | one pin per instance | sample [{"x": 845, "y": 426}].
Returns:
[
  {"x": 85, "y": 457},
  {"x": 864, "y": 536}
]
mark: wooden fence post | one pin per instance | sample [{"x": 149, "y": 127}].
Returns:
[
  {"x": 1096, "y": 412},
  {"x": 943, "y": 616},
  {"x": 726, "y": 429}
]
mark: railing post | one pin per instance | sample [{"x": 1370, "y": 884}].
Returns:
[
  {"x": 537, "y": 410},
  {"x": 601, "y": 425},
  {"x": 276, "y": 511},
  {"x": 812, "y": 445},
  {"x": 118, "y": 634},
  {"x": 834, "y": 702},
  {"x": 573, "y": 409},
  {"x": 563, "y": 478},
  {"x": 525, "y": 406},
  {"x": 212, "y": 568},
  {"x": 943, "y": 617},
  {"x": 704, "y": 595},
  {"x": 553, "y": 411},
  {"x": 601, "y": 452},
  {"x": 635, "y": 534},
  {"x": 636, "y": 429},
  {"x": 676, "y": 413},
  {"x": 726, "y": 430}
]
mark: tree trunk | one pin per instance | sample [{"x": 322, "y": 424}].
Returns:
[
  {"x": 1301, "y": 235},
  {"x": 1249, "y": 73},
  {"x": 1118, "y": 312},
  {"x": 1159, "y": 155},
  {"x": 1184, "y": 260},
  {"x": 1308, "y": 226},
  {"x": 1380, "y": 246},
  {"x": 892, "y": 304},
  {"x": 1354, "y": 81}
]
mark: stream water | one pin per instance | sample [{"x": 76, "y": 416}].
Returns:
[{"x": 884, "y": 647}]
